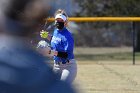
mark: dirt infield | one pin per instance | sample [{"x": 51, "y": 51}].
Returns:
[{"x": 108, "y": 77}]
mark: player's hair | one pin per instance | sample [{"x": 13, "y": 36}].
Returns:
[{"x": 60, "y": 11}]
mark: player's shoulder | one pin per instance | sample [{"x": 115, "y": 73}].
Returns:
[
  {"x": 55, "y": 31},
  {"x": 68, "y": 31}
]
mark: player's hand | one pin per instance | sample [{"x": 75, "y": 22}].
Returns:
[
  {"x": 43, "y": 48},
  {"x": 53, "y": 53},
  {"x": 42, "y": 44},
  {"x": 44, "y": 34}
]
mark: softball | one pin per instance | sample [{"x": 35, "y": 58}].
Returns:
[{"x": 44, "y": 34}]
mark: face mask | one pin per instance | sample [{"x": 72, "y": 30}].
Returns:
[{"x": 60, "y": 25}]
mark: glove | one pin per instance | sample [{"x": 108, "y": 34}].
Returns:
[
  {"x": 44, "y": 34},
  {"x": 43, "y": 48},
  {"x": 42, "y": 44}
]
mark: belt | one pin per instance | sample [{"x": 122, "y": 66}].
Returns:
[
  {"x": 68, "y": 61},
  {"x": 61, "y": 62}
]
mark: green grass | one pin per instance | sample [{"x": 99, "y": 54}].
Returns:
[
  {"x": 105, "y": 53},
  {"x": 138, "y": 54}
]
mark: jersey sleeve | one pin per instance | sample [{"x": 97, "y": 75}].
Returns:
[{"x": 68, "y": 44}]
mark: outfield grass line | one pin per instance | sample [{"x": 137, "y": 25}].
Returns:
[{"x": 105, "y": 53}]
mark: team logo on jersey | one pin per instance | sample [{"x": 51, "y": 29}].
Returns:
[{"x": 56, "y": 39}]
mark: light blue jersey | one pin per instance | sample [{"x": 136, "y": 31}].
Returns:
[{"x": 62, "y": 41}]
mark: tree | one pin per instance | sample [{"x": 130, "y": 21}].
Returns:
[{"x": 108, "y": 8}]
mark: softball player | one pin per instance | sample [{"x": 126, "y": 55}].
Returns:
[{"x": 62, "y": 46}]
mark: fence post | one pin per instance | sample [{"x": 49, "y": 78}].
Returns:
[{"x": 133, "y": 36}]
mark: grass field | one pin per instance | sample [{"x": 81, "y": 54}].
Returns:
[
  {"x": 103, "y": 77},
  {"x": 110, "y": 70},
  {"x": 116, "y": 53}
]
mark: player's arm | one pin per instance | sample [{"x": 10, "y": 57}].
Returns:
[
  {"x": 58, "y": 54},
  {"x": 68, "y": 46},
  {"x": 44, "y": 49}
]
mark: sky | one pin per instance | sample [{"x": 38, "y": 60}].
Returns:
[{"x": 68, "y": 5}]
